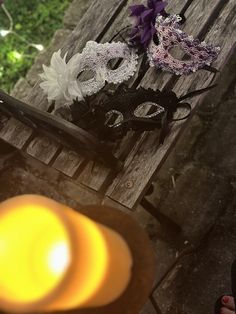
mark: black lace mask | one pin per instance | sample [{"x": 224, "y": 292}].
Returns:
[{"x": 135, "y": 109}]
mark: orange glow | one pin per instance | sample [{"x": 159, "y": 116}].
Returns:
[
  {"x": 28, "y": 235},
  {"x": 53, "y": 258}
]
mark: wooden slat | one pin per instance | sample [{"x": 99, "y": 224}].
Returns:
[
  {"x": 130, "y": 187},
  {"x": 68, "y": 162},
  {"x": 15, "y": 133},
  {"x": 93, "y": 175},
  {"x": 158, "y": 79},
  {"x": 91, "y": 27},
  {"x": 97, "y": 181},
  {"x": 43, "y": 149},
  {"x": 88, "y": 178},
  {"x": 95, "y": 23}
]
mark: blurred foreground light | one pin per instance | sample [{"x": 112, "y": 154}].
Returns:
[
  {"x": 16, "y": 55},
  {"x": 38, "y": 47},
  {"x": 53, "y": 259},
  {"x": 4, "y": 32}
]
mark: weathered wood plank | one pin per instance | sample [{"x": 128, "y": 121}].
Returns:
[
  {"x": 94, "y": 179},
  {"x": 98, "y": 17},
  {"x": 157, "y": 79},
  {"x": 105, "y": 174},
  {"x": 136, "y": 177},
  {"x": 97, "y": 179},
  {"x": 90, "y": 27},
  {"x": 15, "y": 133},
  {"x": 95, "y": 23},
  {"x": 43, "y": 150},
  {"x": 68, "y": 162},
  {"x": 93, "y": 175}
]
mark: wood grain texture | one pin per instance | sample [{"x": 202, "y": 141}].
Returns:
[
  {"x": 68, "y": 162},
  {"x": 137, "y": 176},
  {"x": 93, "y": 175},
  {"x": 95, "y": 23},
  {"x": 96, "y": 178},
  {"x": 90, "y": 27},
  {"x": 42, "y": 148},
  {"x": 67, "y": 166},
  {"x": 87, "y": 177},
  {"x": 144, "y": 156},
  {"x": 104, "y": 175},
  {"x": 15, "y": 133}
]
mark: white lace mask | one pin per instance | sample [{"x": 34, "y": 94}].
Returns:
[{"x": 61, "y": 80}]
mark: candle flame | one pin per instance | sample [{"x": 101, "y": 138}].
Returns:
[
  {"x": 59, "y": 258},
  {"x": 34, "y": 253}
]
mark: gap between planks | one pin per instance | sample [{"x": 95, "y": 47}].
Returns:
[
  {"x": 102, "y": 178},
  {"x": 89, "y": 28},
  {"x": 222, "y": 33},
  {"x": 93, "y": 169},
  {"x": 194, "y": 13}
]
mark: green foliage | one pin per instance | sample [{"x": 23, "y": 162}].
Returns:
[{"x": 34, "y": 20}]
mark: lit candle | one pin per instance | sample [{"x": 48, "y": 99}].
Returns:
[{"x": 53, "y": 258}]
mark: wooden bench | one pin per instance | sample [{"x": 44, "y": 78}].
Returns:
[{"x": 212, "y": 20}]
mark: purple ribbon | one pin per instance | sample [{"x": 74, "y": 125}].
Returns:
[{"x": 145, "y": 19}]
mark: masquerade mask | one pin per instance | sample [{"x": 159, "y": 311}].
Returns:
[
  {"x": 62, "y": 131},
  {"x": 170, "y": 35},
  {"x": 62, "y": 81},
  {"x": 138, "y": 110}
]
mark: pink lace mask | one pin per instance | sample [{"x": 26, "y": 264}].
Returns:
[{"x": 170, "y": 35}]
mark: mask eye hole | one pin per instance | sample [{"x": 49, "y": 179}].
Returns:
[
  {"x": 148, "y": 110},
  {"x": 156, "y": 40},
  {"x": 85, "y": 75},
  {"x": 178, "y": 53},
  {"x": 114, "y": 63},
  {"x": 113, "y": 118}
]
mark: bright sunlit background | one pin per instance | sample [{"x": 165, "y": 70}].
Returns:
[{"x": 33, "y": 25}]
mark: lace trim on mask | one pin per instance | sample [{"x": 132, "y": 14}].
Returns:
[
  {"x": 61, "y": 80},
  {"x": 170, "y": 35}
]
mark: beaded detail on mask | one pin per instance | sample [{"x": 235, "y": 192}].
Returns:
[
  {"x": 170, "y": 35},
  {"x": 62, "y": 80}
]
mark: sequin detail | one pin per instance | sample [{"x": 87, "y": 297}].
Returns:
[
  {"x": 96, "y": 58},
  {"x": 62, "y": 82},
  {"x": 170, "y": 35}
]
